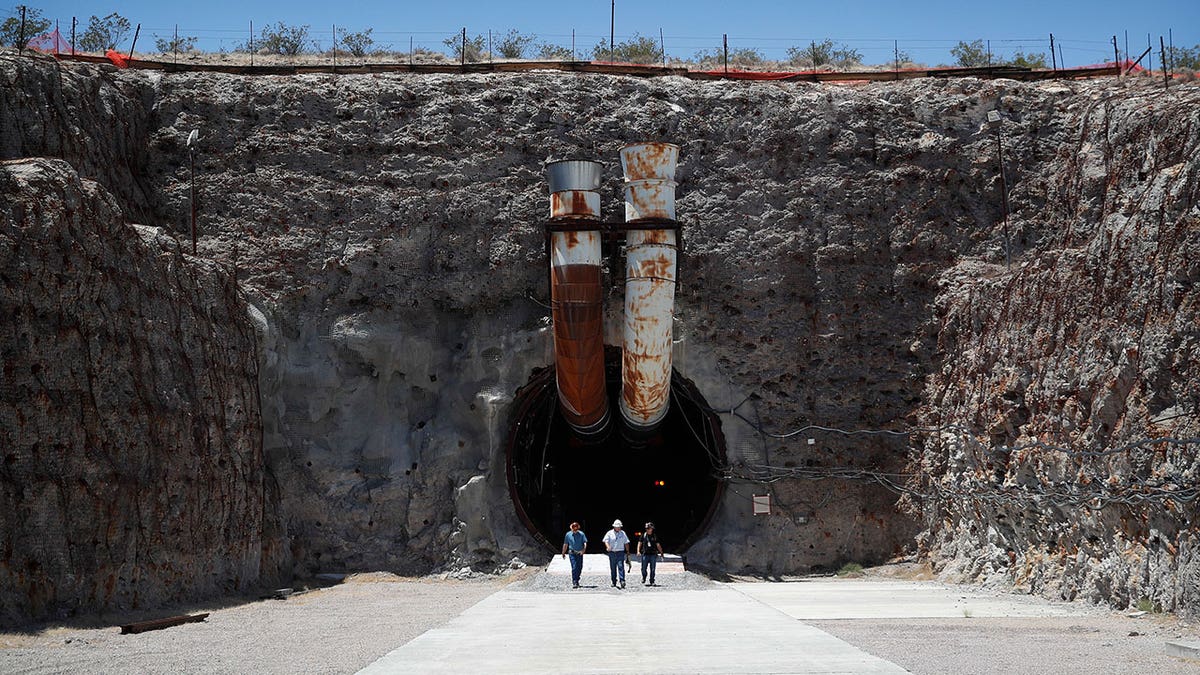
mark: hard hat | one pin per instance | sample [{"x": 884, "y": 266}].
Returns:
[{"x": 617, "y": 523}]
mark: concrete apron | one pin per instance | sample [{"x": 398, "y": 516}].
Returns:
[
  {"x": 717, "y": 630},
  {"x": 595, "y": 567}
]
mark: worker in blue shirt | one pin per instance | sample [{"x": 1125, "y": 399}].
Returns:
[{"x": 574, "y": 544}]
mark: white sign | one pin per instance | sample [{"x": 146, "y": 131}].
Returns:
[{"x": 762, "y": 505}]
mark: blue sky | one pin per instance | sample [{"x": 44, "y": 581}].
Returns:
[{"x": 925, "y": 30}]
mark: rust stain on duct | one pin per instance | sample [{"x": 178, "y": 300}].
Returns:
[
  {"x": 575, "y": 205},
  {"x": 577, "y": 297},
  {"x": 649, "y": 283},
  {"x": 649, "y": 160},
  {"x": 579, "y": 343}
]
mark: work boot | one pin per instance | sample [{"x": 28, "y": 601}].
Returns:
[{"x": 622, "y": 583}]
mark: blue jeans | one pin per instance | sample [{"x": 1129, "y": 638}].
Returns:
[
  {"x": 576, "y": 566},
  {"x": 652, "y": 561},
  {"x": 616, "y": 563}
]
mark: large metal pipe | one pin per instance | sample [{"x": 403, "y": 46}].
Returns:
[
  {"x": 576, "y": 295},
  {"x": 650, "y": 268}
]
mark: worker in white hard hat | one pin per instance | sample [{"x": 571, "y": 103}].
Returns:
[{"x": 616, "y": 542}]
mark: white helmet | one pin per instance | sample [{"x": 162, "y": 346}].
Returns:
[{"x": 617, "y": 523}]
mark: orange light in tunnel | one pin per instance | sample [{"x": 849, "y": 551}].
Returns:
[{"x": 660, "y": 483}]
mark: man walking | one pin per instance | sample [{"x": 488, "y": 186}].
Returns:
[
  {"x": 617, "y": 545},
  {"x": 649, "y": 549},
  {"x": 574, "y": 544}
]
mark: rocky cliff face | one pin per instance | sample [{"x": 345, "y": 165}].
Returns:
[
  {"x": 388, "y": 231},
  {"x": 1069, "y": 459},
  {"x": 132, "y": 470}
]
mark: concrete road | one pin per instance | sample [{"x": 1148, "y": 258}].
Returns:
[
  {"x": 718, "y": 630},
  {"x": 685, "y": 627}
]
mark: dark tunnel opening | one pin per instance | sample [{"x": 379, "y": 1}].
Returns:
[{"x": 667, "y": 476}]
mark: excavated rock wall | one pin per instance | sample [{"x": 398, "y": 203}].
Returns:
[
  {"x": 131, "y": 468},
  {"x": 1058, "y": 370},
  {"x": 388, "y": 231}
]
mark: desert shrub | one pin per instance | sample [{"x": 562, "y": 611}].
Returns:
[
  {"x": 745, "y": 57},
  {"x": 1184, "y": 58},
  {"x": 513, "y": 44},
  {"x": 474, "y": 47},
  {"x": 35, "y": 25},
  {"x": 823, "y": 53},
  {"x": 102, "y": 34},
  {"x": 636, "y": 49},
  {"x": 970, "y": 54},
  {"x": 283, "y": 39},
  {"x": 1023, "y": 60},
  {"x": 850, "y": 570},
  {"x": 172, "y": 44},
  {"x": 358, "y": 44},
  {"x": 552, "y": 52}
]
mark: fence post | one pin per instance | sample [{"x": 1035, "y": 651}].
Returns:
[
  {"x": 1171, "y": 46},
  {"x": 462, "y": 56},
  {"x": 662, "y": 45},
  {"x": 1162, "y": 49},
  {"x": 175, "y": 45},
  {"x": 612, "y": 33},
  {"x": 251, "y": 43},
  {"x": 73, "y": 22},
  {"x": 896, "y": 49},
  {"x": 725, "y": 43},
  {"x": 21, "y": 32},
  {"x": 132, "y": 45},
  {"x": 333, "y": 49},
  {"x": 1116, "y": 53},
  {"x": 1053, "y": 60}
]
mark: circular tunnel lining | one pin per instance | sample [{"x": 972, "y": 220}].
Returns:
[{"x": 668, "y": 477}]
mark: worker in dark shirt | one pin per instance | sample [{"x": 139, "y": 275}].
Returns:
[{"x": 649, "y": 549}]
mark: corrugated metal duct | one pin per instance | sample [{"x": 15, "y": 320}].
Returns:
[
  {"x": 650, "y": 269},
  {"x": 576, "y": 295}
]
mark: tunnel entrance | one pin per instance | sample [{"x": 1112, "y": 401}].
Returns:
[{"x": 667, "y": 476}]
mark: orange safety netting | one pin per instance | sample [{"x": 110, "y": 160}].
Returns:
[
  {"x": 119, "y": 60},
  {"x": 49, "y": 43}
]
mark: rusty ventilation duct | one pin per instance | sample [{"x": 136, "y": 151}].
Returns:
[
  {"x": 650, "y": 270},
  {"x": 575, "y": 294}
]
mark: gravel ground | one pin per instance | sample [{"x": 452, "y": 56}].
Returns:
[
  {"x": 339, "y": 629},
  {"x": 343, "y": 628},
  {"x": 1104, "y": 643},
  {"x": 561, "y": 583}
]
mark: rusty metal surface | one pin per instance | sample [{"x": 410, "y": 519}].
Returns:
[
  {"x": 650, "y": 272},
  {"x": 579, "y": 345},
  {"x": 649, "y": 198},
  {"x": 646, "y": 161},
  {"x": 575, "y": 204},
  {"x": 576, "y": 296}
]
